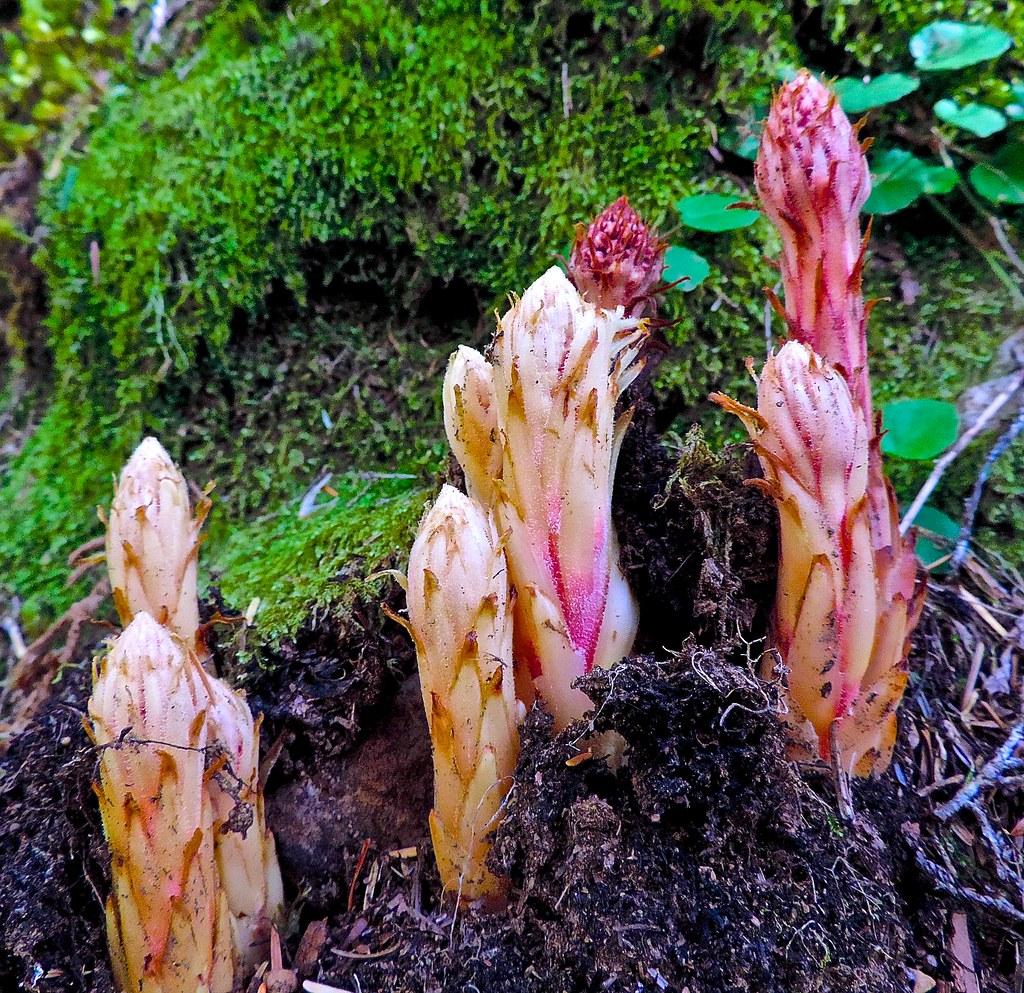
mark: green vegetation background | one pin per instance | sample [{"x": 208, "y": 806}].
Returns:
[{"x": 264, "y": 253}]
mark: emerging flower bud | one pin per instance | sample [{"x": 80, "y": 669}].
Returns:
[
  {"x": 812, "y": 177},
  {"x": 813, "y": 180},
  {"x": 167, "y": 918},
  {"x": 153, "y": 541},
  {"x": 470, "y": 421},
  {"x": 843, "y": 646},
  {"x": 617, "y": 261},
  {"x": 460, "y": 618},
  {"x": 244, "y": 848},
  {"x": 560, "y": 368}
]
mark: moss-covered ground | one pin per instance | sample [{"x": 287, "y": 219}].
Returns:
[{"x": 265, "y": 253}]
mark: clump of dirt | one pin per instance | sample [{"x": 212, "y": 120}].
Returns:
[
  {"x": 704, "y": 863},
  {"x": 698, "y": 546},
  {"x": 344, "y": 718},
  {"x": 54, "y": 869}
]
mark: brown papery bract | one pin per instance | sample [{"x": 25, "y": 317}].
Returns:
[{"x": 460, "y": 616}]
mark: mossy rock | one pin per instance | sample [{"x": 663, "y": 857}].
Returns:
[{"x": 297, "y": 221}]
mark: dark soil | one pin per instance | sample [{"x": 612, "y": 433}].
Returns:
[
  {"x": 53, "y": 863},
  {"x": 703, "y": 862}
]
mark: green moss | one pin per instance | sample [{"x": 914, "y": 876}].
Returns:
[
  {"x": 302, "y": 569},
  {"x": 52, "y": 55},
  {"x": 280, "y": 409},
  {"x": 717, "y": 326},
  {"x": 441, "y": 136},
  {"x": 49, "y": 495},
  {"x": 389, "y": 144}
]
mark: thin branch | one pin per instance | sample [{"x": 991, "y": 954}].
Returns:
[
  {"x": 990, "y": 775},
  {"x": 945, "y": 880},
  {"x": 962, "y": 442},
  {"x": 971, "y": 508},
  {"x": 1004, "y": 243}
]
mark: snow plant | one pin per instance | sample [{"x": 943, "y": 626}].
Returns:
[
  {"x": 471, "y": 421},
  {"x": 197, "y": 839},
  {"x": 515, "y": 590},
  {"x": 153, "y": 542},
  {"x": 617, "y": 261},
  {"x": 850, "y": 592},
  {"x": 539, "y": 442},
  {"x": 167, "y": 916},
  {"x": 460, "y": 617}
]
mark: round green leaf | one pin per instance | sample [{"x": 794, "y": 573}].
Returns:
[
  {"x": 975, "y": 117},
  {"x": 919, "y": 429},
  {"x": 944, "y": 45},
  {"x": 1002, "y": 179},
  {"x": 1015, "y": 110},
  {"x": 681, "y": 262},
  {"x": 937, "y": 544},
  {"x": 714, "y": 212},
  {"x": 857, "y": 95},
  {"x": 899, "y": 178}
]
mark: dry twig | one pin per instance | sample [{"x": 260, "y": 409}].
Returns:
[{"x": 954, "y": 453}]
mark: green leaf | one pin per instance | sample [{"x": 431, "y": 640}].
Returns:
[
  {"x": 18, "y": 135},
  {"x": 944, "y": 45},
  {"x": 857, "y": 95},
  {"x": 975, "y": 117},
  {"x": 919, "y": 429},
  {"x": 1002, "y": 179},
  {"x": 680, "y": 262},
  {"x": 713, "y": 212},
  {"x": 899, "y": 178},
  {"x": 1015, "y": 110},
  {"x": 944, "y": 533},
  {"x": 744, "y": 137},
  {"x": 743, "y": 143}
]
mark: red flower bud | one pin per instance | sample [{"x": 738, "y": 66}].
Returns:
[{"x": 617, "y": 261}]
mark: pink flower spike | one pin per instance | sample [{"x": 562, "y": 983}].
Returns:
[
  {"x": 812, "y": 176},
  {"x": 560, "y": 366}
]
